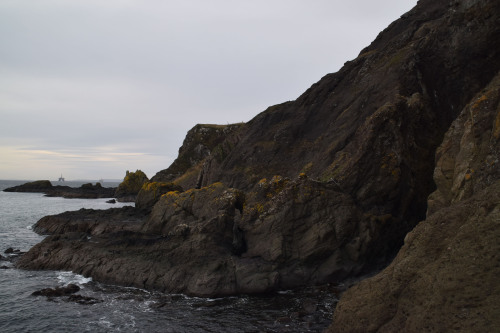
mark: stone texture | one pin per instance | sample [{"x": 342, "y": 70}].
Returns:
[
  {"x": 202, "y": 141},
  {"x": 151, "y": 192},
  {"x": 130, "y": 186},
  {"x": 445, "y": 277}
]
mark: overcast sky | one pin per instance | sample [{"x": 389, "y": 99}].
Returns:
[{"x": 92, "y": 88}]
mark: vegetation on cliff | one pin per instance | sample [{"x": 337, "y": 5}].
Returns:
[{"x": 130, "y": 186}]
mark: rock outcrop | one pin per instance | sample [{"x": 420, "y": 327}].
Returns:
[
  {"x": 445, "y": 278},
  {"x": 202, "y": 141},
  {"x": 326, "y": 187},
  {"x": 130, "y": 186},
  {"x": 86, "y": 191},
  {"x": 151, "y": 192},
  {"x": 38, "y": 186}
]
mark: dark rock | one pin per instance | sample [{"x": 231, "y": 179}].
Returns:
[
  {"x": 58, "y": 291},
  {"x": 201, "y": 141},
  {"x": 132, "y": 183},
  {"x": 36, "y": 186},
  {"x": 91, "y": 221},
  {"x": 86, "y": 191},
  {"x": 309, "y": 306},
  {"x": 151, "y": 192},
  {"x": 444, "y": 278},
  {"x": 112, "y": 201},
  {"x": 4, "y": 267},
  {"x": 9, "y": 250},
  {"x": 84, "y": 300}
]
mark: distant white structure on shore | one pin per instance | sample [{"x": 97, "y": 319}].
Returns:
[{"x": 61, "y": 179}]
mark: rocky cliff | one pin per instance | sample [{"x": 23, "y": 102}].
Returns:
[
  {"x": 445, "y": 278},
  {"x": 326, "y": 187},
  {"x": 202, "y": 141}
]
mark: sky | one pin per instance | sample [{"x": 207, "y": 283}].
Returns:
[{"x": 92, "y": 88}]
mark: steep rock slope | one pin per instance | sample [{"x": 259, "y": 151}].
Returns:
[
  {"x": 445, "y": 277},
  {"x": 201, "y": 141},
  {"x": 373, "y": 127}
]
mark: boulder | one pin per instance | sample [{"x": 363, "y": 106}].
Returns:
[{"x": 58, "y": 291}]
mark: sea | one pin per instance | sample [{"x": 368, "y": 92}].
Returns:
[{"x": 121, "y": 309}]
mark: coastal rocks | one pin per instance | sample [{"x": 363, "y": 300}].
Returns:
[
  {"x": 12, "y": 255},
  {"x": 39, "y": 186},
  {"x": 445, "y": 277},
  {"x": 86, "y": 191},
  {"x": 91, "y": 221},
  {"x": 151, "y": 192},
  {"x": 217, "y": 241},
  {"x": 309, "y": 231},
  {"x": 130, "y": 186},
  {"x": 362, "y": 142},
  {"x": 58, "y": 291},
  {"x": 67, "y": 293},
  {"x": 84, "y": 300}
]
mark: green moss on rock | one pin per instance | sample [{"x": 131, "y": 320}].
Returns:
[{"x": 151, "y": 192}]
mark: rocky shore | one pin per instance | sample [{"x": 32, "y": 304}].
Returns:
[{"x": 392, "y": 162}]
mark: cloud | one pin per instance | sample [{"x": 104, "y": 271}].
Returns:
[{"x": 76, "y": 76}]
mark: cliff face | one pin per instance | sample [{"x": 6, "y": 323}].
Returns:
[
  {"x": 373, "y": 127},
  {"x": 324, "y": 187},
  {"x": 446, "y": 275},
  {"x": 201, "y": 141}
]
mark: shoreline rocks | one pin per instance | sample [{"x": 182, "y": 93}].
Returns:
[{"x": 86, "y": 191}]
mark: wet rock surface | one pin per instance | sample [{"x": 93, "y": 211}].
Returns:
[
  {"x": 58, "y": 291},
  {"x": 66, "y": 293}
]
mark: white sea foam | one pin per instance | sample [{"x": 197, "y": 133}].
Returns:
[{"x": 70, "y": 277}]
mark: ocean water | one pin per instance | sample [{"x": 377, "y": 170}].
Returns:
[{"x": 119, "y": 309}]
